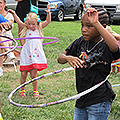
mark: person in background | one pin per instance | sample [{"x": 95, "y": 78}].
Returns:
[
  {"x": 7, "y": 15},
  {"x": 92, "y": 55},
  {"x": 117, "y": 36},
  {"x": 23, "y": 8}
]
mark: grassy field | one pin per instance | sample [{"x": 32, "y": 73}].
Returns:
[{"x": 54, "y": 87}]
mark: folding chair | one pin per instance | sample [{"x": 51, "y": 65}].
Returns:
[{"x": 6, "y": 62}]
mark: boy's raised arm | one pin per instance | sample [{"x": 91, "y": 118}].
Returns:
[{"x": 109, "y": 39}]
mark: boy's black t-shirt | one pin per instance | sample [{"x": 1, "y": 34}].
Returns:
[{"x": 96, "y": 68}]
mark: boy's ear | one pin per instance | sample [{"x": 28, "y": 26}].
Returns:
[{"x": 104, "y": 25}]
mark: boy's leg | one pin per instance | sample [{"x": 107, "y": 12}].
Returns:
[
  {"x": 99, "y": 111},
  {"x": 80, "y": 114}
]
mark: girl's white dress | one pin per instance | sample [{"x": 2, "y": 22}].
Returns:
[{"x": 32, "y": 55}]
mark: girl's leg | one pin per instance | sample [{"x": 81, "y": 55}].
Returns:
[
  {"x": 23, "y": 78},
  {"x": 33, "y": 74}
]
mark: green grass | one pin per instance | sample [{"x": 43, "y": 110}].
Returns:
[{"x": 54, "y": 87}]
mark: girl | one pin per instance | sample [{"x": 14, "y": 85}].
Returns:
[
  {"x": 32, "y": 58},
  {"x": 92, "y": 54},
  {"x": 9, "y": 17}
]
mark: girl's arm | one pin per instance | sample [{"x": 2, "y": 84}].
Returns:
[
  {"x": 48, "y": 18},
  {"x": 109, "y": 39},
  {"x": 21, "y": 25},
  {"x": 10, "y": 18},
  {"x": 17, "y": 19}
]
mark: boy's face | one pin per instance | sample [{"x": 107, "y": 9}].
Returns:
[{"x": 89, "y": 32}]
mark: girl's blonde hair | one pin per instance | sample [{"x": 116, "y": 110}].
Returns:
[{"x": 31, "y": 16}]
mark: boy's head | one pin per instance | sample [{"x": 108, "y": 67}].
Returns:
[
  {"x": 104, "y": 16},
  {"x": 89, "y": 32}
]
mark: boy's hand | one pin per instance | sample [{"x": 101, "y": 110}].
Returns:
[
  {"x": 92, "y": 15},
  {"x": 75, "y": 61}
]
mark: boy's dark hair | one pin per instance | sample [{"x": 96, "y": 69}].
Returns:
[{"x": 104, "y": 16}]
